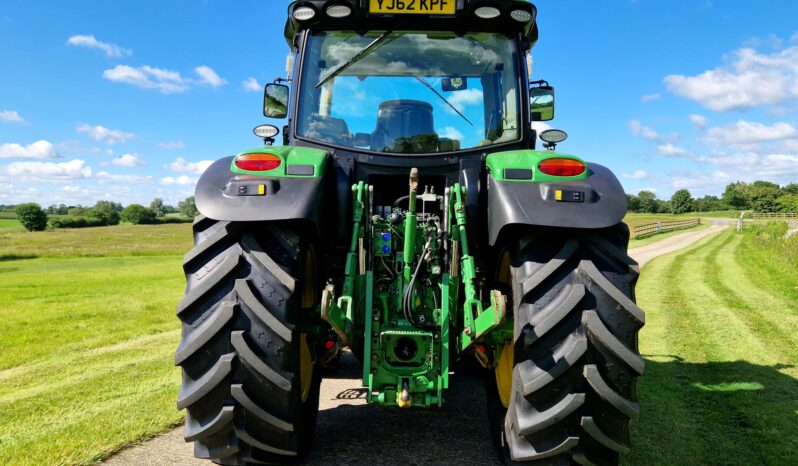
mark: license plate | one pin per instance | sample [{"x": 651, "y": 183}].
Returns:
[{"x": 413, "y": 7}]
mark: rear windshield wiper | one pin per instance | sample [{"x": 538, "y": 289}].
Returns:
[{"x": 379, "y": 41}]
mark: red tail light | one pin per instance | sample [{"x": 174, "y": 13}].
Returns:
[
  {"x": 258, "y": 162},
  {"x": 562, "y": 167}
]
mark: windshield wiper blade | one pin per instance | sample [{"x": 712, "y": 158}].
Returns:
[
  {"x": 429, "y": 86},
  {"x": 356, "y": 57}
]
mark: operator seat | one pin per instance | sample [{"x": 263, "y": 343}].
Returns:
[{"x": 401, "y": 119}]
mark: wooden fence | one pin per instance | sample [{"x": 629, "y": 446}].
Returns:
[
  {"x": 755, "y": 215},
  {"x": 662, "y": 227}
]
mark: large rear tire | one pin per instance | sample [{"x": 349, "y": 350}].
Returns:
[
  {"x": 250, "y": 387},
  {"x": 576, "y": 357}
]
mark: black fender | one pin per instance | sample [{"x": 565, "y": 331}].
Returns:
[
  {"x": 529, "y": 203},
  {"x": 219, "y": 196}
]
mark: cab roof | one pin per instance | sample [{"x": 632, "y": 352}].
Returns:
[{"x": 464, "y": 19}]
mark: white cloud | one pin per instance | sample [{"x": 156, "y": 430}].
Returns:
[
  {"x": 38, "y": 150},
  {"x": 650, "y": 97},
  {"x": 182, "y": 180},
  {"x": 182, "y": 165},
  {"x": 540, "y": 126},
  {"x": 101, "y": 133},
  {"x": 128, "y": 160},
  {"x": 46, "y": 171},
  {"x": 108, "y": 178},
  {"x": 744, "y": 132},
  {"x": 671, "y": 150},
  {"x": 638, "y": 129},
  {"x": 637, "y": 175},
  {"x": 162, "y": 80},
  {"x": 110, "y": 50},
  {"x": 171, "y": 144},
  {"x": 209, "y": 77},
  {"x": 11, "y": 116},
  {"x": 251, "y": 85},
  {"x": 451, "y": 133},
  {"x": 748, "y": 79},
  {"x": 462, "y": 99},
  {"x": 699, "y": 121}
]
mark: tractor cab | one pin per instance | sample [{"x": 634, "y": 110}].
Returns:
[{"x": 409, "y": 77}]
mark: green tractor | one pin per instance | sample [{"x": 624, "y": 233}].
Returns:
[{"x": 409, "y": 217}]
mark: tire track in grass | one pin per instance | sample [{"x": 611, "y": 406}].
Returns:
[
  {"x": 666, "y": 340},
  {"x": 731, "y": 335},
  {"x": 727, "y": 277},
  {"x": 685, "y": 307}
]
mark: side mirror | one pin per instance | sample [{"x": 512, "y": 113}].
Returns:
[
  {"x": 275, "y": 101},
  {"x": 541, "y": 103}
]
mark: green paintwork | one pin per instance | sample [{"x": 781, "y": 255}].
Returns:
[
  {"x": 497, "y": 162},
  {"x": 290, "y": 156}
]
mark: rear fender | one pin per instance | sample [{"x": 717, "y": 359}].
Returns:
[
  {"x": 294, "y": 191},
  {"x": 593, "y": 200}
]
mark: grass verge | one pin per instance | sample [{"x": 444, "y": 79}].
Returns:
[{"x": 721, "y": 344}]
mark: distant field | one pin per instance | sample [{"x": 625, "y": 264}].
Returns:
[
  {"x": 120, "y": 240},
  {"x": 721, "y": 346},
  {"x": 10, "y": 224}
]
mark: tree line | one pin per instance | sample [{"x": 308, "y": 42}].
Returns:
[
  {"x": 759, "y": 196},
  {"x": 104, "y": 213}
]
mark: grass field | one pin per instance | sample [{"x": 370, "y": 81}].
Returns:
[
  {"x": 87, "y": 330},
  {"x": 721, "y": 344}
]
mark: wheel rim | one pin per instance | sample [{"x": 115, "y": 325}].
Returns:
[
  {"x": 504, "y": 374},
  {"x": 504, "y": 366},
  {"x": 308, "y": 298},
  {"x": 305, "y": 366}
]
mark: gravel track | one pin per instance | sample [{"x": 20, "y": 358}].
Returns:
[{"x": 350, "y": 432}]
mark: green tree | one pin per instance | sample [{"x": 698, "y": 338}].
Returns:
[
  {"x": 157, "y": 207},
  {"x": 791, "y": 188},
  {"x": 787, "y": 203},
  {"x": 633, "y": 203},
  {"x": 78, "y": 211},
  {"x": 763, "y": 195},
  {"x": 105, "y": 212},
  {"x": 31, "y": 216},
  {"x": 682, "y": 202},
  {"x": 736, "y": 196},
  {"x": 709, "y": 204},
  {"x": 188, "y": 208},
  {"x": 648, "y": 202},
  {"x": 137, "y": 214}
]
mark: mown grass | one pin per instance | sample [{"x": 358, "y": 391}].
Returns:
[
  {"x": 86, "y": 342},
  {"x": 721, "y": 344}
]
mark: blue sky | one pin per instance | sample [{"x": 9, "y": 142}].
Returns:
[{"x": 129, "y": 100}]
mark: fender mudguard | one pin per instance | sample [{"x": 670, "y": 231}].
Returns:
[
  {"x": 224, "y": 195},
  {"x": 602, "y": 204}
]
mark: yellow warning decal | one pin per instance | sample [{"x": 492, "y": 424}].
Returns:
[
  {"x": 261, "y": 189},
  {"x": 558, "y": 194}
]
